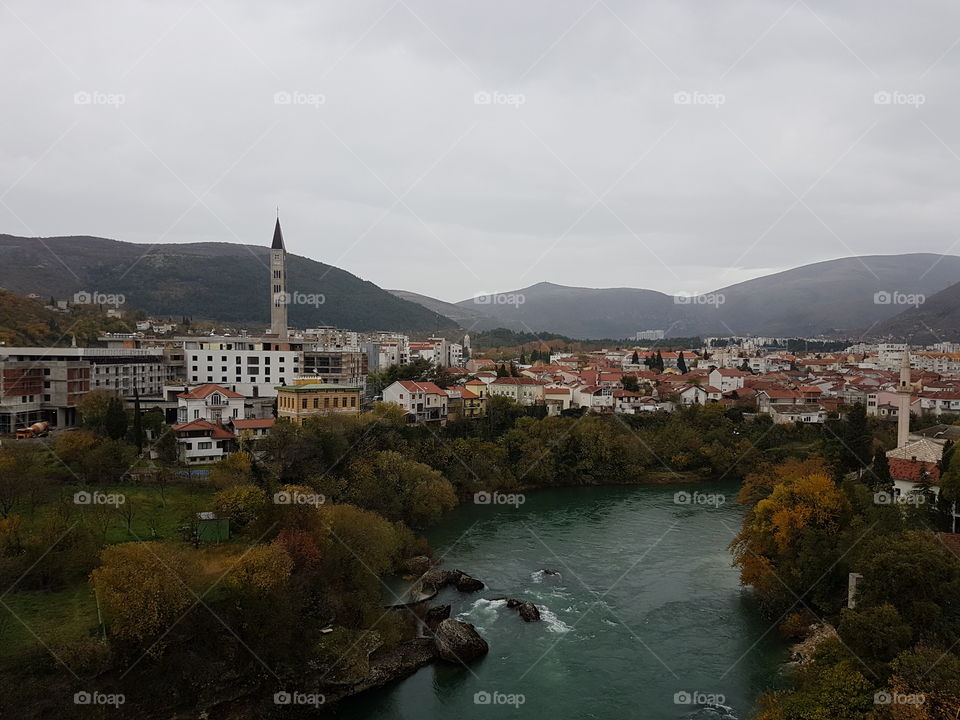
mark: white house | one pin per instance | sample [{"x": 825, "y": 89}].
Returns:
[
  {"x": 210, "y": 402},
  {"x": 524, "y": 390},
  {"x": 727, "y": 379},
  {"x": 423, "y": 401}
]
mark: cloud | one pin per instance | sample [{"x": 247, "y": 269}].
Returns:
[{"x": 623, "y": 144}]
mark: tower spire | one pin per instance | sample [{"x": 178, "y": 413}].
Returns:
[
  {"x": 279, "y": 298},
  {"x": 277, "y": 235}
]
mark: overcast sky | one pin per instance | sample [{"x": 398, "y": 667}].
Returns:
[{"x": 452, "y": 148}]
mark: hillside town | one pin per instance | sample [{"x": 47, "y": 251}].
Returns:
[{"x": 213, "y": 390}]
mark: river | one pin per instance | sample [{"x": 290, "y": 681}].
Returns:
[{"x": 645, "y": 619}]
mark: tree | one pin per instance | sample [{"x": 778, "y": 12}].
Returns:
[
  {"x": 631, "y": 383},
  {"x": 745, "y": 366},
  {"x": 635, "y": 360},
  {"x": 241, "y": 503},
  {"x": 143, "y": 588},
  {"x": 234, "y": 469},
  {"x": 92, "y": 408},
  {"x": 115, "y": 419},
  {"x": 880, "y": 480},
  {"x": 681, "y": 364},
  {"x": 137, "y": 421}
]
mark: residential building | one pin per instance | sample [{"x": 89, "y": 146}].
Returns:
[
  {"x": 423, "y": 402},
  {"x": 307, "y": 398}
]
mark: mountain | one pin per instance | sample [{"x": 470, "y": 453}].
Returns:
[
  {"x": 936, "y": 319},
  {"x": 834, "y": 297},
  {"x": 224, "y": 282},
  {"x": 466, "y": 317}
]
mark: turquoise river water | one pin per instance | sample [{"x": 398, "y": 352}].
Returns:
[{"x": 645, "y": 619}]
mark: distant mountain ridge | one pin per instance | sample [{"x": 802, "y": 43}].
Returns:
[
  {"x": 834, "y": 297},
  {"x": 936, "y": 319},
  {"x": 224, "y": 282}
]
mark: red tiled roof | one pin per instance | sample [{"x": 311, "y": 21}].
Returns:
[
  {"x": 253, "y": 423},
  {"x": 422, "y": 387},
  {"x": 203, "y": 391},
  {"x": 217, "y": 432},
  {"x": 517, "y": 381}
]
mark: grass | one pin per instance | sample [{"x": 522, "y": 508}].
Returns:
[{"x": 33, "y": 619}]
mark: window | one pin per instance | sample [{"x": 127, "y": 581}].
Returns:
[
  {"x": 196, "y": 414},
  {"x": 204, "y": 445},
  {"x": 303, "y": 403},
  {"x": 316, "y": 403}
]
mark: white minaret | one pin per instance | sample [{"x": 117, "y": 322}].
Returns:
[
  {"x": 278, "y": 285},
  {"x": 903, "y": 413}
]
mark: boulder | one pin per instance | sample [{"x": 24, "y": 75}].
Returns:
[
  {"x": 528, "y": 612},
  {"x": 467, "y": 583},
  {"x": 436, "y": 615},
  {"x": 459, "y": 642}
]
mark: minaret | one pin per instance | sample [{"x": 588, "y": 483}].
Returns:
[
  {"x": 278, "y": 285},
  {"x": 903, "y": 413}
]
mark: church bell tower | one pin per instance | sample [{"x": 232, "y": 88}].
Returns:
[{"x": 278, "y": 285}]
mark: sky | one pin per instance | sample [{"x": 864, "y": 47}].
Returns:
[{"x": 454, "y": 148}]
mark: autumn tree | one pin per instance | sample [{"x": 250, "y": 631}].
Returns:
[{"x": 143, "y": 588}]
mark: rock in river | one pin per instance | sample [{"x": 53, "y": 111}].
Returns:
[{"x": 459, "y": 642}]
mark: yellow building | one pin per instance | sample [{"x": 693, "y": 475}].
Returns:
[{"x": 307, "y": 398}]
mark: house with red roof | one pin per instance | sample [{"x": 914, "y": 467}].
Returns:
[
  {"x": 201, "y": 441},
  {"x": 524, "y": 390},
  {"x": 209, "y": 402},
  {"x": 423, "y": 402}
]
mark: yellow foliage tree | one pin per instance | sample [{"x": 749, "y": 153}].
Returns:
[{"x": 144, "y": 588}]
